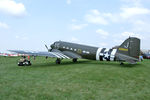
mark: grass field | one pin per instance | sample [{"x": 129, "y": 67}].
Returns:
[{"x": 85, "y": 80}]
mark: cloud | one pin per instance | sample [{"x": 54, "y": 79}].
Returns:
[
  {"x": 78, "y": 27},
  {"x": 21, "y": 37},
  {"x": 74, "y": 39},
  {"x": 133, "y": 2},
  {"x": 102, "y": 33},
  {"x": 68, "y": 2},
  {"x": 102, "y": 44},
  {"x": 131, "y": 34},
  {"x": 133, "y": 11},
  {"x": 141, "y": 26},
  {"x": 95, "y": 17},
  {"x": 74, "y": 20},
  {"x": 12, "y": 8},
  {"x": 4, "y": 25}
]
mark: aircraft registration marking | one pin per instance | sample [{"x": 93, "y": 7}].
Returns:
[{"x": 123, "y": 49}]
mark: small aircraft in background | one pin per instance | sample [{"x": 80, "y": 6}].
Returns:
[{"x": 128, "y": 51}]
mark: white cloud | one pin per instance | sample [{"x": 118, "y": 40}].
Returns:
[
  {"x": 141, "y": 26},
  {"x": 74, "y": 39},
  {"x": 4, "y": 25},
  {"x": 102, "y": 33},
  {"x": 68, "y": 2},
  {"x": 22, "y": 37},
  {"x": 102, "y": 44},
  {"x": 78, "y": 27},
  {"x": 133, "y": 11},
  {"x": 12, "y": 8},
  {"x": 133, "y": 2},
  {"x": 95, "y": 12},
  {"x": 131, "y": 34},
  {"x": 74, "y": 20},
  {"x": 95, "y": 17}
]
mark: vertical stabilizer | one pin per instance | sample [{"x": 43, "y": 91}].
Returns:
[{"x": 130, "y": 47}]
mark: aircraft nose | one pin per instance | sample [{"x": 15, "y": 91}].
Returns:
[{"x": 52, "y": 46}]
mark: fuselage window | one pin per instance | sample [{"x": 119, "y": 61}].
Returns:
[
  {"x": 75, "y": 49},
  {"x": 84, "y": 51},
  {"x": 56, "y": 45},
  {"x": 87, "y": 52},
  {"x": 71, "y": 49},
  {"x": 67, "y": 48}
]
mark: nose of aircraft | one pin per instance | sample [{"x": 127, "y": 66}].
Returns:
[{"x": 52, "y": 46}]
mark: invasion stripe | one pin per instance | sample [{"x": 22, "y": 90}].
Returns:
[
  {"x": 112, "y": 56},
  {"x": 55, "y": 54},
  {"x": 98, "y": 53},
  {"x": 102, "y": 52},
  {"x": 109, "y": 52},
  {"x": 60, "y": 55},
  {"x": 63, "y": 55}
]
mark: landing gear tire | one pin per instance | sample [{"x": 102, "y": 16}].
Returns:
[
  {"x": 74, "y": 60},
  {"x": 58, "y": 61},
  {"x": 121, "y": 63}
]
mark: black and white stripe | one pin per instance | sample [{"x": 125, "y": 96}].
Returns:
[
  {"x": 59, "y": 55},
  {"x": 105, "y": 54}
]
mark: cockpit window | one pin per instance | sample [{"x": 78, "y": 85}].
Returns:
[{"x": 56, "y": 44}]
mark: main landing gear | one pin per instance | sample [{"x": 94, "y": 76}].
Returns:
[
  {"x": 121, "y": 63},
  {"x": 74, "y": 60},
  {"x": 58, "y": 61}
]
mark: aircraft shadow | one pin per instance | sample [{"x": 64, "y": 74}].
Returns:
[
  {"x": 108, "y": 64},
  {"x": 53, "y": 64}
]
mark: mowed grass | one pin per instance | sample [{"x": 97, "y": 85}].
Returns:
[{"x": 85, "y": 80}]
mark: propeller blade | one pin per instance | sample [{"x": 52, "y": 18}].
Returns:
[
  {"x": 46, "y": 46},
  {"x": 49, "y": 50}
]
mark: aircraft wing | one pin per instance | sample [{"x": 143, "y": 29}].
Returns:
[
  {"x": 69, "y": 54},
  {"x": 53, "y": 54}
]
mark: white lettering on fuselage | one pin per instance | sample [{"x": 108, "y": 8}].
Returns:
[{"x": 86, "y": 52}]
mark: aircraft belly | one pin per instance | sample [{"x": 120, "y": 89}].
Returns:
[{"x": 89, "y": 56}]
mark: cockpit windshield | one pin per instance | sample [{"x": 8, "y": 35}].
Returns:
[{"x": 56, "y": 45}]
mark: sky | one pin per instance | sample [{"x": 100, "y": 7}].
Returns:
[{"x": 30, "y": 24}]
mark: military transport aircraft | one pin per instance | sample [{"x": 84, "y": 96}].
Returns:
[{"x": 128, "y": 51}]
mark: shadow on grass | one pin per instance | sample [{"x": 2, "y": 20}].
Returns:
[
  {"x": 89, "y": 62},
  {"x": 53, "y": 64}
]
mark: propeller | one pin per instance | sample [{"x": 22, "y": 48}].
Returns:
[{"x": 49, "y": 49}]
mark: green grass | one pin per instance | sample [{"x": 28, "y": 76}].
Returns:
[{"x": 85, "y": 80}]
